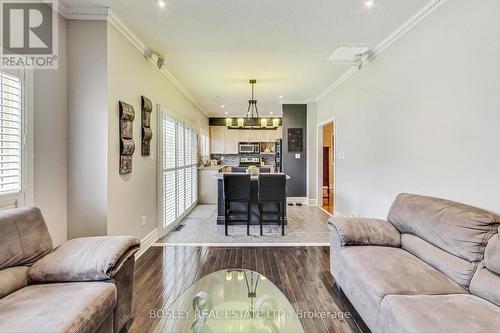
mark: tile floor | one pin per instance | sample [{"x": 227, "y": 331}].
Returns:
[{"x": 307, "y": 226}]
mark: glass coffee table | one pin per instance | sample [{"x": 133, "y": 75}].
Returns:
[{"x": 230, "y": 301}]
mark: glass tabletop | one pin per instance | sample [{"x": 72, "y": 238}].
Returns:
[{"x": 230, "y": 301}]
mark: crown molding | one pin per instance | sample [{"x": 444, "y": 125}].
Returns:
[
  {"x": 429, "y": 8},
  {"x": 85, "y": 13},
  {"x": 106, "y": 14}
]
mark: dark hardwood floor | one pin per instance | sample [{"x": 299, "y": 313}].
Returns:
[{"x": 301, "y": 273}]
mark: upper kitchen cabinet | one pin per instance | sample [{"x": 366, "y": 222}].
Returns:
[
  {"x": 268, "y": 136},
  {"x": 254, "y": 136},
  {"x": 217, "y": 139},
  {"x": 279, "y": 133},
  {"x": 231, "y": 139},
  {"x": 243, "y": 135},
  {"x": 226, "y": 141}
]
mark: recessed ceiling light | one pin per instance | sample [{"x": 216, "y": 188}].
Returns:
[
  {"x": 271, "y": 112},
  {"x": 281, "y": 97},
  {"x": 369, "y": 3},
  {"x": 161, "y": 3},
  {"x": 226, "y": 112},
  {"x": 222, "y": 106}
]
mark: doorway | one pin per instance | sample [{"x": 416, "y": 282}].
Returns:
[{"x": 327, "y": 176}]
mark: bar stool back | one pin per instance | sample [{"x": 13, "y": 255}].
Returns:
[
  {"x": 236, "y": 189},
  {"x": 272, "y": 189}
]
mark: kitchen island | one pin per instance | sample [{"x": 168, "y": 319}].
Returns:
[{"x": 271, "y": 210}]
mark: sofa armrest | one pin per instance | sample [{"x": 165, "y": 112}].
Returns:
[
  {"x": 365, "y": 231},
  {"x": 85, "y": 259}
]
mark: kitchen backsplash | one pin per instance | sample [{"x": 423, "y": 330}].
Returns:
[{"x": 234, "y": 159}]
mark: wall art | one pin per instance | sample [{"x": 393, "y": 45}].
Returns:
[
  {"x": 295, "y": 139},
  {"x": 147, "y": 133},
  {"x": 127, "y": 145}
]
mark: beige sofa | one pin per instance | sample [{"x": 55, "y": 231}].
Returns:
[
  {"x": 433, "y": 266},
  {"x": 85, "y": 285}
]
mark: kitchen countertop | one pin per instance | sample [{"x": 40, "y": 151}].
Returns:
[
  {"x": 212, "y": 168},
  {"x": 220, "y": 175}
]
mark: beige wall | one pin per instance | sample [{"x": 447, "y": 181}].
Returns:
[
  {"x": 50, "y": 143},
  {"x": 132, "y": 196},
  {"x": 423, "y": 117},
  {"x": 87, "y": 128}
]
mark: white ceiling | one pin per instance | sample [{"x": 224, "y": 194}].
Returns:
[{"x": 214, "y": 46}]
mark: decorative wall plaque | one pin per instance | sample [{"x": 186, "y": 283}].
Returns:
[
  {"x": 295, "y": 139},
  {"x": 127, "y": 145},
  {"x": 147, "y": 133}
]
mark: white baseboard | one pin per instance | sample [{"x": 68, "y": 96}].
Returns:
[
  {"x": 302, "y": 200},
  {"x": 312, "y": 202},
  {"x": 146, "y": 242},
  {"x": 337, "y": 214}
]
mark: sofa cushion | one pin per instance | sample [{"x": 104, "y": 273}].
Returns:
[
  {"x": 439, "y": 313},
  {"x": 456, "y": 228},
  {"x": 492, "y": 254},
  {"x": 486, "y": 280},
  {"x": 24, "y": 237},
  {"x": 365, "y": 231},
  {"x": 12, "y": 279},
  {"x": 58, "y": 307},
  {"x": 457, "y": 269},
  {"x": 85, "y": 259},
  {"x": 368, "y": 273},
  {"x": 486, "y": 284}
]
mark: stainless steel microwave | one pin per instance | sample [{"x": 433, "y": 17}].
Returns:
[{"x": 249, "y": 148}]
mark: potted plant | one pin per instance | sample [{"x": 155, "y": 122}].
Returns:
[{"x": 253, "y": 170}]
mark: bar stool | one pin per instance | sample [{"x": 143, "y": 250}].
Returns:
[
  {"x": 236, "y": 189},
  {"x": 272, "y": 189}
]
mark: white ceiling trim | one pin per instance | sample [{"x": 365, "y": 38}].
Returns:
[
  {"x": 106, "y": 14},
  {"x": 430, "y": 7}
]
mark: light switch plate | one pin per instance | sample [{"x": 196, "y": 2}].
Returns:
[{"x": 297, "y": 156}]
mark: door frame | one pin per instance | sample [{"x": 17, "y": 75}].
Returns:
[{"x": 319, "y": 164}]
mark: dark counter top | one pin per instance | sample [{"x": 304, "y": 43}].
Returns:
[{"x": 220, "y": 175}]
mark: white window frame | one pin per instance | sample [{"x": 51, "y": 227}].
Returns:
[
  {"x": 161, "y": 114},
  {"x": 24, "y": 197}
]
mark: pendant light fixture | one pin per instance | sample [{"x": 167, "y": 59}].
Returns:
[
  {"x": 252, "y": 119},
  {"x": 252, "y": 111}
]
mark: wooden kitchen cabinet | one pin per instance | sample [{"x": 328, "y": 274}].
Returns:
[
  {"x": 231, "y": 141},
  {"x": 217, "y": 134},
  {"x": 254, "y": 135},
  {"x": 279, "y": 133},
  {"x": 243, "y": 135}
]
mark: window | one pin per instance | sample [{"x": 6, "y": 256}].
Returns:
[
  {"x": 180, "y": 177},
  {"x": 12, "y": 140},
  {"x": 10, "y": 134}
]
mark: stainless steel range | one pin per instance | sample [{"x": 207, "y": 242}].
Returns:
[{"x": 248, "y": 161}]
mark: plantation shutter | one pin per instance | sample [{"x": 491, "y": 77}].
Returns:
[
  {"x": 180, "y": 178},
  {"x": 10, "y": 134},
  {"x": 181, "y": 192},
  {"x": 189, "y": 178},
  {"x": 169, "y": 198}
]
